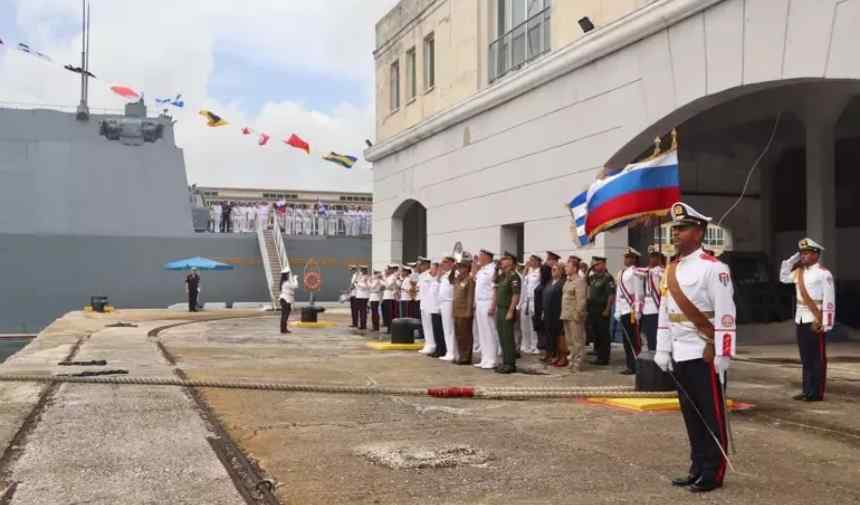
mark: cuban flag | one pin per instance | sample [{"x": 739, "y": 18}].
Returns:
[
  {"x": 579, "y": 209},
  {"x": 646, "y": 188}
]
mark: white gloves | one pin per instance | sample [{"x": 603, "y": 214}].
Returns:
[
  {"x": 663, "y": 359},
  {"x": 721, "y": 364},
  {"x": 794, "y": 258}
]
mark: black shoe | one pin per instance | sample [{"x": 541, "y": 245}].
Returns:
[
  {"x": 628, "y": 372},
  {"x": 597, "y": 362},
  {"x": 519, "y": 355},
  {"x": 685, "y": 481},
  {"x": 703, "y": 486},
  {"x": 434, "y": 355},
  {"x": 506, "y": 369},
  {"x": 799, "y": 397},
  {"x": 814, "y": 399}
]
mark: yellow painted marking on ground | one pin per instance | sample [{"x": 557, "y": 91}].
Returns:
[
  {"x": 646, "y": 404},
  {"x": 388, "y": 346},
  {"x": 316, "y": 325}
]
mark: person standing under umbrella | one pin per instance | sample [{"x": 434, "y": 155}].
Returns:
[
  {"x": 287, "y": 297},
  {"x": 192, "y": 289}
]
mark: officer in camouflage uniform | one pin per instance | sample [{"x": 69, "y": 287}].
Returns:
[
  {"x": 601, "y": 295},
  {"x": 508, "y": 287}
]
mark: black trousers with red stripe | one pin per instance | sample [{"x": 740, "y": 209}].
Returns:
[
  {"x": 699, "y": 380},
  {"x": 631, "y": 340},
  {"x": 813, "y": 356}
]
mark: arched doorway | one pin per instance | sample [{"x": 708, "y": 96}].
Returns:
[{"x": 409, "y": 231}]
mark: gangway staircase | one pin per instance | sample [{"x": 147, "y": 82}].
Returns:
[{"x": 274, "y": 255}]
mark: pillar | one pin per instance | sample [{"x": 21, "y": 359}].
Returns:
[{"x": 820, "y": 122}]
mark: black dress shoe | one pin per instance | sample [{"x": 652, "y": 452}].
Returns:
[
  {"x": 628, "y": 372},
  {"x": 813, "y": 399},
  {"x": 801, "y": 396},
  {"x": 703, "y": 486},
  {"x": 685, "y": 481},
  {"x": 506, "y": 369}
]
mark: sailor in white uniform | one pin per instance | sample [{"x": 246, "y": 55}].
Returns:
[
  {"x": 815, "y": 314},
  {"x": 426, "y": 303},
  {"x": 446, "y": 308},
  {"x": 485, "y": 310},
  {"x": 628, "y": 299},
  {"x": 695, "y": 343}
]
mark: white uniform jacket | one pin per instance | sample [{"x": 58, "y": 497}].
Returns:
[
  {"x": 429, "y": 293},
  {"x": 628, "y": 293},
  {"x": 446, "y": 289},
  {"x": 405, "y": 287},
  {"x": 651, "y": 297},
  {"x": 485, "y": 283},
  {"x": 352, "y": 283},
  {"x": 376, "y": 286},
  {"x": 527, "y": 296},
  {"x": 288, "y": 289},
  {"x": 707, "y": 282},
  {"x": 362, "y": 287},
  {"x": 819, "y": 285},
  {"x": 391, "y": 287}
]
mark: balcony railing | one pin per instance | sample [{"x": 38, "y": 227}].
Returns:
[{"x": 526, "y": 42}]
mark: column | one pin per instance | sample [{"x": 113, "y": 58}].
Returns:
[{"x": 821, "y": 177}]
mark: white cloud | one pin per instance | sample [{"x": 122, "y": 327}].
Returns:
[{"x": 164, "y": 46}]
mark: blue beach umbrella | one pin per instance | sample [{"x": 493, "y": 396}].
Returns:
[{"x": 198, "y": 263}]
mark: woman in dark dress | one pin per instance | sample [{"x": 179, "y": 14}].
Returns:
[
  {"x": 552, "y": 326},
  {"x": 537, "y": 317}
]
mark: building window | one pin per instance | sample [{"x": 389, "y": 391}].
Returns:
[
  {"x": 395, "y": 86},
  {"x": 411, "y": 84},
  {"x": 522, "y": 34},
  {"x": 429, "y": 62}
]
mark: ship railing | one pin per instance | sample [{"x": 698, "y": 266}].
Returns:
[{"x": 281, "y": 246}]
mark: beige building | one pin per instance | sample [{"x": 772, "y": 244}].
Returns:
[
  {"x": 493, "y": 114},
  {"x": 432, "y": 54}
]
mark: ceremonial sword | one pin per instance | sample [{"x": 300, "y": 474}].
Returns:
[{"x": 696, "y": 409}]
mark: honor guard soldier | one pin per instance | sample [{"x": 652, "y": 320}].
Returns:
[
  {"x": 627, "y": 308},
  {"x": 192, "y": 288},
  {"x": 508, "y": 287},
  {"x": 815, "y": 315},
  {"x": 601, "y": 296},
  {"x": 652, "y": 276},
  {"x": 353, "y": 307},
  {"x": 695, "y": 344}
]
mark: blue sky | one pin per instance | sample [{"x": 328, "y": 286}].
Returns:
[{"x": 277, "y": 66}]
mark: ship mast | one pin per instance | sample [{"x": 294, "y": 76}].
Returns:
[{"x": 83, "y": 108}]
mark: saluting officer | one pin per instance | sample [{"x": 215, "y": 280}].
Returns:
[
  {"x": 627, "y": 308},
  {"x": 508, "y": 287},
  {"x": 485, "y": 310},
  {"x": 816, "y": 312},
  {"x": 695, "y": 343},
  {"x": 601, "y": 295}
]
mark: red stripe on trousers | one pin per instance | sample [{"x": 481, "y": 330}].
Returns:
[
  {"x": 823, "y": 382},
  {"x": 715, "y": 388}
]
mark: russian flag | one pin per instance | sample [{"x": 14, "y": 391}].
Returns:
[{"x": 646, "y": 188}]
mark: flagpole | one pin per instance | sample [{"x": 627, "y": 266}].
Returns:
[{"x": 83, "y": 113}]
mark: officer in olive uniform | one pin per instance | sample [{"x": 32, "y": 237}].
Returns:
[
  {"x": 507, "y": 298},
  {"x": 601, "y": 295}
]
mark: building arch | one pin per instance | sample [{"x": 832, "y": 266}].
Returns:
[{"x": 408, "y": 231}]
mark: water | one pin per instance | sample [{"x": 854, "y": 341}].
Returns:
[{"x": 9, "y": 346}]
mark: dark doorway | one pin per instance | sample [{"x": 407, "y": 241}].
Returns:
[
  {"x": 414, "y": 232},
  {"x": 513, "y": 239}
]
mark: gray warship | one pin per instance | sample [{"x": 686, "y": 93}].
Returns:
[{"x": 95, "y": 205}]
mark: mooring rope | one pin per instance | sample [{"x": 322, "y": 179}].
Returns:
[{"x": 501, "y": 393}]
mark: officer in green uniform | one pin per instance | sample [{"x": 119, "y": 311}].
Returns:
[
  {"x": 507, "y": 298},
  {"x": 601, "y": 295}
]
